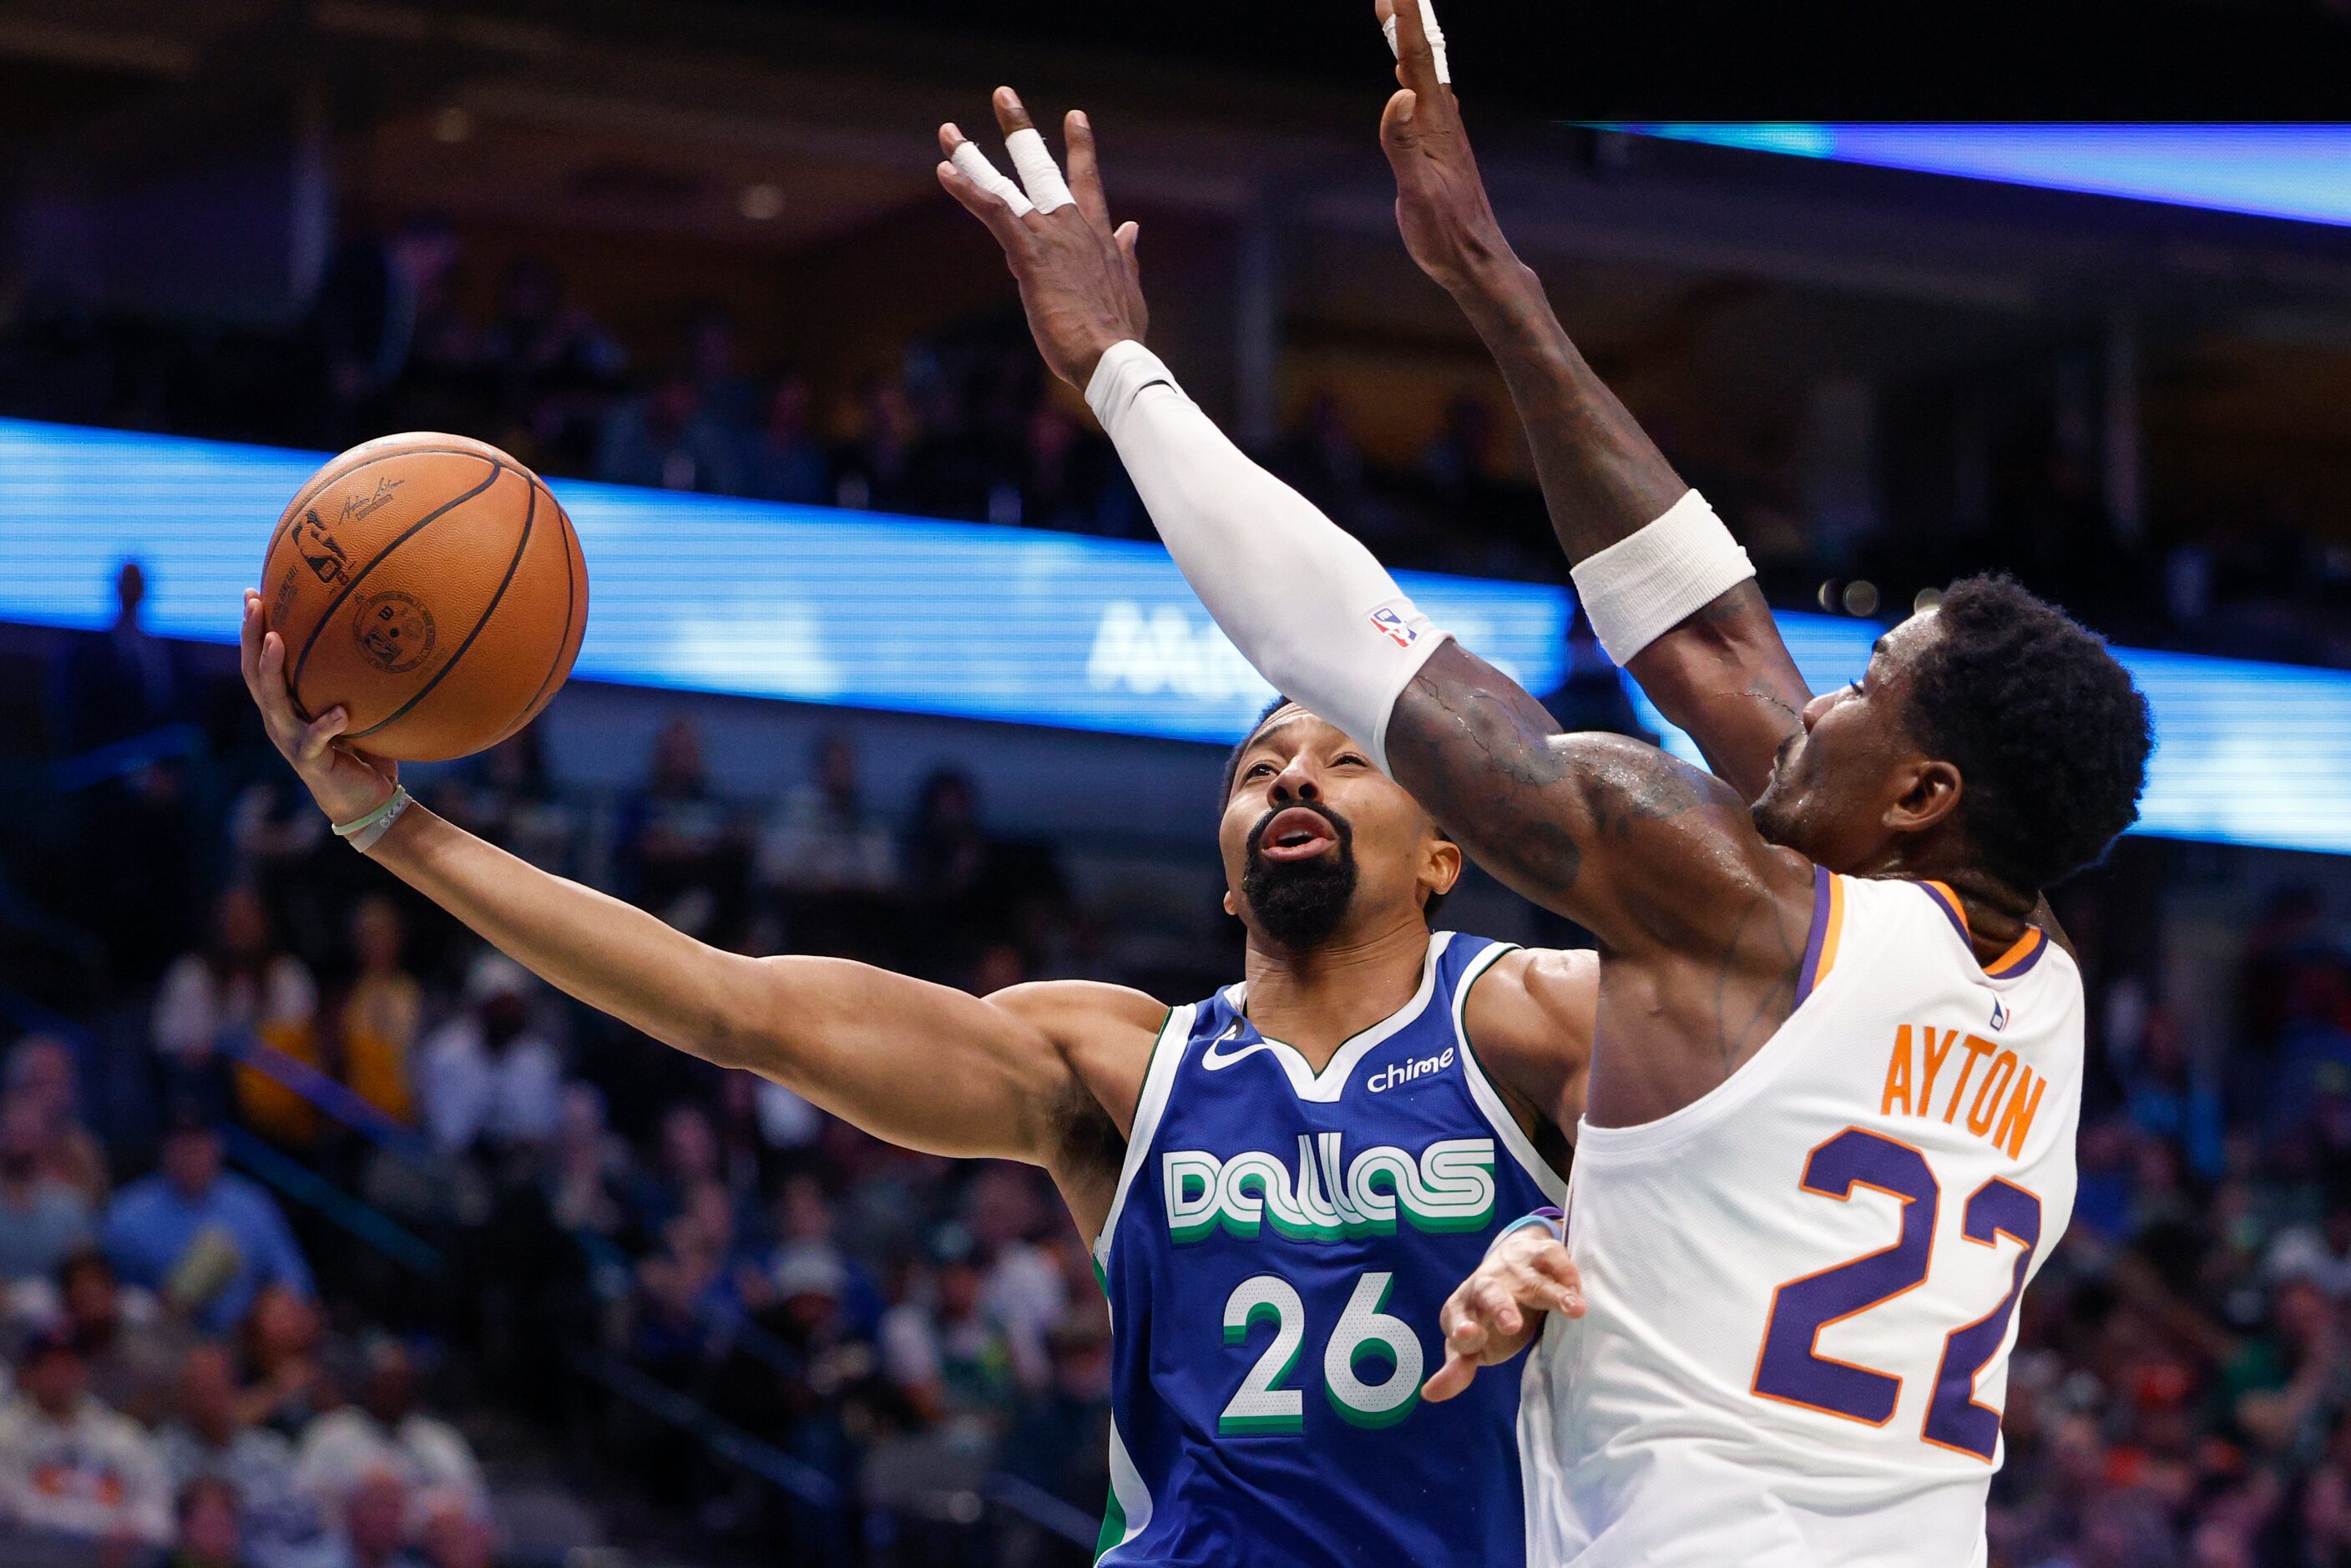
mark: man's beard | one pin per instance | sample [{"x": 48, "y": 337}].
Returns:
[{"x": 1300, "y": 903}]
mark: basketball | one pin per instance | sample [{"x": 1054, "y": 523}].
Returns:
[{"x": 431, "y": 585}]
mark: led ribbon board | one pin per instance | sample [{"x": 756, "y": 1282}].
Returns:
[
  {"x": 2299, "y": 172},
  {"x": 807, "y": 604}
]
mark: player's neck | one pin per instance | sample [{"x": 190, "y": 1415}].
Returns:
[
  {"x": 1996, "y": 915},
  {"x": 1316, "y": 1000}
]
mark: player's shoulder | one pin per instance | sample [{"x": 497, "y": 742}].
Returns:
[
  {"x": 1530, "y": 1017},
  {"x": 1560, "y": 980},
  {"x": 1071, "y": 1010},
  {"x": 1104, "y": 1035}
]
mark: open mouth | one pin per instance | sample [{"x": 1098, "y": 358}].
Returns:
[{"x": 1297, "y": 834}]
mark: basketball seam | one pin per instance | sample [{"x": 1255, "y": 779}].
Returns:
[
  {"x": 294, "y": 682},
  {"x": 335, "y": 475},
  {"x": 522, "y": 543},
  {"x": 570, "y": 607}
]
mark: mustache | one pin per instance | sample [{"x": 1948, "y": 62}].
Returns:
[{"x": 1341, "y": 830}]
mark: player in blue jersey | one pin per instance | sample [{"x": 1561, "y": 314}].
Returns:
[{"x": 1281, "y": 1183}]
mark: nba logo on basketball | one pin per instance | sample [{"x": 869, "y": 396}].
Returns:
[{"x": 1392, "y": 626}]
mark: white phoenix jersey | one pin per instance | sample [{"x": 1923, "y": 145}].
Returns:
[{"x": 1801, "y": 1289}]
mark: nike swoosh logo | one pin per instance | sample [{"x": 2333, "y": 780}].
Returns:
[{"x": 1213, "y": 1057}]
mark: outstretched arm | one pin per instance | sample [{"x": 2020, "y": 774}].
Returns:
[
  {"x": 1648, "y": 853},
  {"x": 921, "y": 1065},
  {"x": 1722, "y": 674}
]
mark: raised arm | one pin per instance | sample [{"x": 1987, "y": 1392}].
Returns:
[
  {"x": 1653, "y": 856},
  {"x": 922, "y": 1065},
  {"x": 1723, "y": 672}
]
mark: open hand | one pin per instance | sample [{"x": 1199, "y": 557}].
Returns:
[
  {"x": 347, "y": 784},
  {"x": 1493, "y": 1314},
  {"x": 1448, "y": 226},
  {"x": 1077, "y": 274}
]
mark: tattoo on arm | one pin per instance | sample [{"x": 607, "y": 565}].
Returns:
[{"x": 1529, "y": 803}]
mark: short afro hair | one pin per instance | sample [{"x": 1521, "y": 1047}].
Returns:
[
  {"x": 1233, "y": 765},
  {"x": 2045, "y": 728}
]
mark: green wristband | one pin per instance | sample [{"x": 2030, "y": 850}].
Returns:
[{"x": 361, "y": 832}]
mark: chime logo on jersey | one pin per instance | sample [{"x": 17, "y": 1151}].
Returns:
[{"x": 1326, "y": 1197}]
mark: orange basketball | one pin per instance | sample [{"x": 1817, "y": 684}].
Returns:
[{"x": 431, "y": 585}]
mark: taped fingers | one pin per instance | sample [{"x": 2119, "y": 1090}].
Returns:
[
  {"x": 973, "y": 166},
  {"x": 1435, "y": 35},
  {"x": 1034, "y": 164}
]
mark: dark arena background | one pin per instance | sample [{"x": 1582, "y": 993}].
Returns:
[{"x": 885, "y": 661}]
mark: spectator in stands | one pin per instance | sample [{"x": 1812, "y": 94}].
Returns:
[
  {"x": 385, "y": 1433},
  {"x": 1320, "y": 459},
  {"x": 69, "y": 1466},
  {"x": 822, "y": 838},
  {"x": 211, "y": 1534},
  {"x": 205, "y": 1241},
  {"x": 135, "y": 851},
  {"x": 1060, "y": 1441},
  {"x": 1063, "y": 477},
  {"x": 946, "y": 849},
  {"x": 379, "y": 296},
  {"x": 1022, "y": 1290},
  {"x": 945, "y": 1354},
  {"x": 508, "y": 796},
  {"x": 690, "y": 1159},
  {"x": 788, "y": 462},
  {"x": 806, "y": 1244},
  {"x": 486, "y": 1078},
  {"x": 712, "y": 355},
  {"x": 130, "y": 1347},
  {"x": 283, "y": 1348},
  {"x": 555, "y": 369},
  {"x": 377, "y": 1524},
  {"x": 209, "y": 1443},
  {"x": 41, "y": 1219},
  {"x": 681, "y": 853},
  {"x": 379, "y": 1015},
  {"x": 666, "y": 439},
  {"x": 588, "y": 1170},
  {"x": 124, "y": 681},
  {"x": 42, "y": 1072},
  {"x": 455, "y": 1540},
  {"x": 239, "y": 989},
  {"x": 876, "y": 471}
]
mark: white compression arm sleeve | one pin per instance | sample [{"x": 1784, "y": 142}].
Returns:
[{"x": 1302, "y": 599}]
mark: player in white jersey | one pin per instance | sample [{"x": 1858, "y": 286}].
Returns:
[
  {"x": 1836, "y": 1060},
  {"x": 1801, "y": 1285}
]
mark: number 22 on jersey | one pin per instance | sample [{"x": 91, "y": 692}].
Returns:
[{"x": 1789, "y": 1367}]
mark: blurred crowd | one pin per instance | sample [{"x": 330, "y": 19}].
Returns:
[
  {"x": 447, "y": 1178},
  {"x": 591, "y": 1228},
  {"x": 964, "y": 426}
]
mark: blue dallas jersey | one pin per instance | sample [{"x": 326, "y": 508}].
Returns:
[{"x": 1276, "y": 1258}]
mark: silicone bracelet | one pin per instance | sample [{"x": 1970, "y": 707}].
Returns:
[{"x": 361, "y": 832}]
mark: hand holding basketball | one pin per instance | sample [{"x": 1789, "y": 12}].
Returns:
[{"x": 345, "y": 783}]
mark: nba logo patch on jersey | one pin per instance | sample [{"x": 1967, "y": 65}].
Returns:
[
  {"x": 1999, "y": 1013},
  {"x": 1392, "y": 627}
]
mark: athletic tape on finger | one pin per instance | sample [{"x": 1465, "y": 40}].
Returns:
[
  {"x": 1436, "y": 38},
  {"x": 973, "y": 166},
  {"x": 1034, "y": 164}
]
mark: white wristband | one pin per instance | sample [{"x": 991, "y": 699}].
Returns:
[{"x": 1643, "y": 586}]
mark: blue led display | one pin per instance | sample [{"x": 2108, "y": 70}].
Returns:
[
  {"x": 2300, "y": 171},
  {"x": 704, "y": 593}
]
